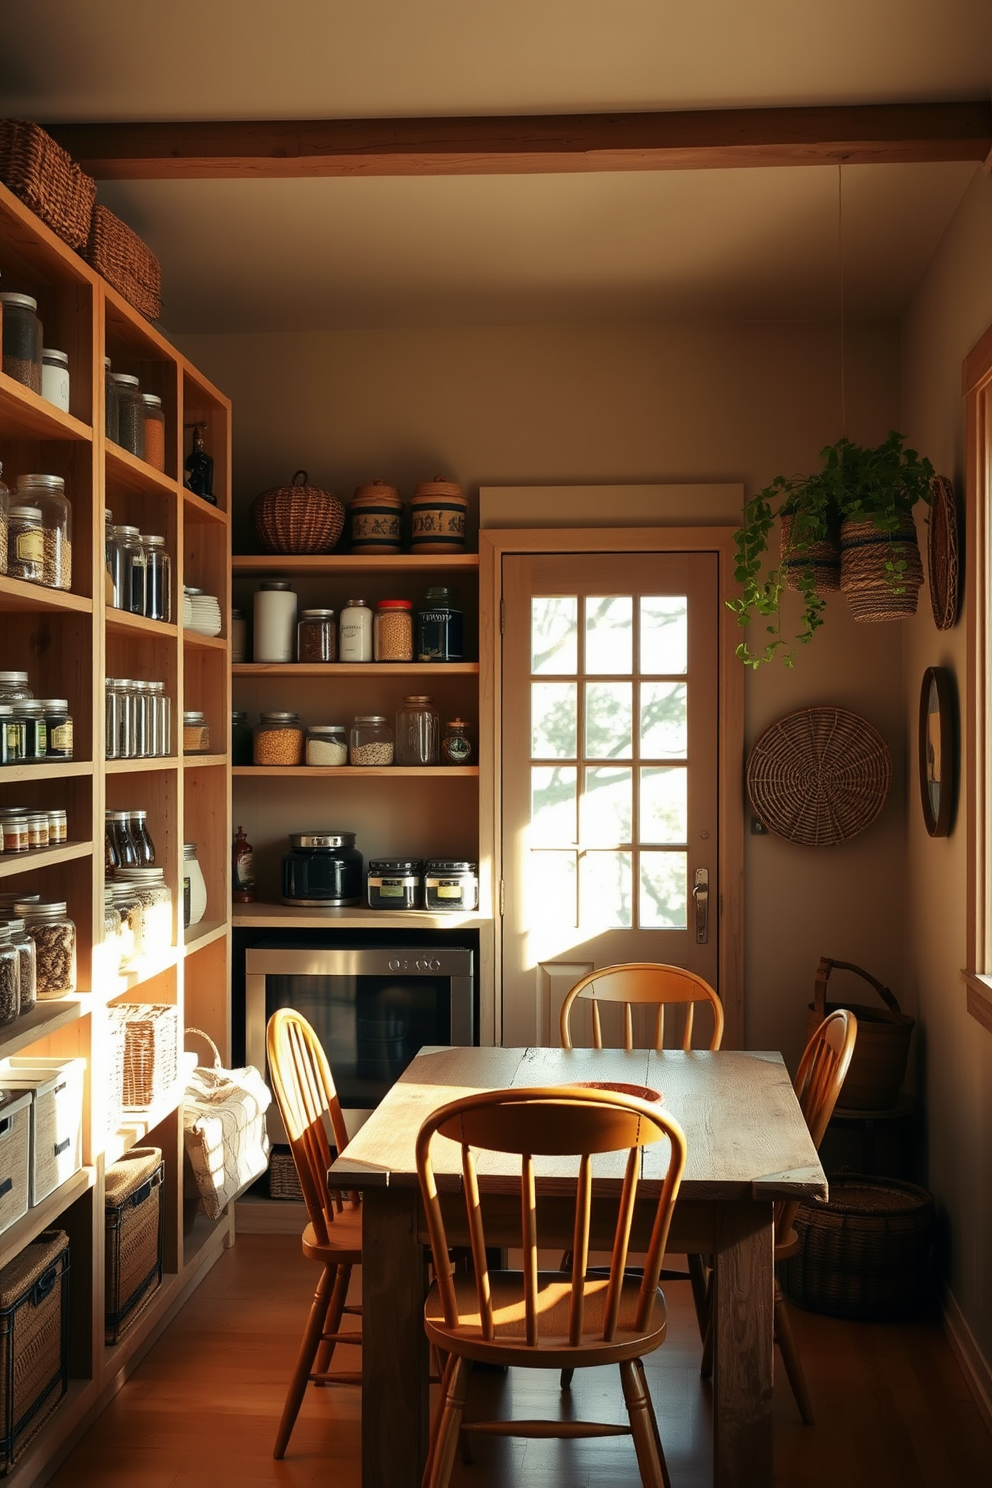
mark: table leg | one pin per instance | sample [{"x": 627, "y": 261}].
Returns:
[
  {"x": 743, "y": 1340},
  {"x": 394, "y": 1345}
]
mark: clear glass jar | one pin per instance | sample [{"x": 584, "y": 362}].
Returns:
[
  {"x": 10, "y": 979},
  {"x": 158, "y": 579},
  {"x": 111, "y": 559},
  {"x": 144, "y": 847},
  {"x": 116, "y": 705},
  {"x": 11, "y": 736},
  {"x": 54, "y": 935},
  {"x": 130, "y": 414},
  {"x": 4, "y": 521},
  {"x": 37, "y": 829},
  {"x": 28, "y": 955},
  {"x": 128, "y": 904},
  {"x": 161, "y": 718},
  {"x": 110, "y": 403},
  {"x": 316, "y": 636},
  {"x": 440, "y": 627},
  {"x": 242, "y": 736},
  {"x": 32, "y": 715},
  {"x": 197, "y": 886},
  {"x": 129, "y": 579},
  {"x": 156, "y": 907},
  {"x": 14, "y": 822},
  {"x": 154, "y": 431},
  {"x": 371, "y": 740},
  {"x": 22, "y": 338},
  {"x": 456, "y": 746},
  {"x": 418, "y": 732},
  {"x": 58, "y": 720},
  {"x": 55, "y": 377},
  {"x": 47, "y": 493},
  {"x": 142, "y": 739},
  {"x": 355, "y": 637},
  {"x": 451, "y": 883},
  {"x": 25, "y": 543},
  {"x": 394, "y": 883},
  {"x": 14, "y": 687},
  {"x": 58, "y": 826},
  {"x": 122, "y": 851},
  {"x": 392, "y": 637},
  {"x": 196, "y": 734},
  {"x": 278, "y": 740},
  {"x": 326, "y": 744}
]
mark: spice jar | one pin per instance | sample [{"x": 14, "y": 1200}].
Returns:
[
  {"x": 316, "y": 636},
  {"x": 37, "y": 829},
  {"x": 31, "y": 714},
  {"x": 456, "y": 747},
  {"x": 25, "y": 544},
  {"x": 156, "y": 907},
  {"x": 59, "y": 724},
  {"x": 47, "y": 493},
  {"x": 392, "y": 637},
  {"x": 355, "y": 642},
  {"x": 197, "y": 887},
  {"x": 279, "y": 740},
  {"x": 417, "y": 732},
  {"x": 110, "y": 402},
  {"x": 11, "y": 736},
  {"x": 371, "y": 740},
  {"x": 394, "y": 883},
  {"x": 157, "y": 598},
  {"x": 154, "y": 431},
  {"x": 144, "y": 847},
  {"x": 22, "y": 336},
  {"x": 275, "y": 622},
  {"x": 326, "y": 744},
  {"x": 437, "y": 517},
  {"x": 375, "y": 516},
  {"x": 27, "y": 953},
  {"x": 58, "y": 826},
  {"x": 196, "y": 734},
  {"x": 439, "y": 627},
  {"x": 322, "y": 868},
  {"x": 10, "y": 978},
  {"x": 241, "y": 739},
  {"x": 130, "y": 414},
  {"x": 122, "y": 850},
  {"x": 54, "y": 936},
  {"x": 14, "y": 825},
  {"x": 55, "y": 377},
  {"x": 451, "y": 883}
]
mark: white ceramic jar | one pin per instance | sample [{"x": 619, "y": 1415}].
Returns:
[
  {"x": 197, "y": 887},
  {"x": 275, "y": 622},
  {"x": 355, "y": 635}
]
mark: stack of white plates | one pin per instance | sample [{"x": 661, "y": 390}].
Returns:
[{"x": 201, "y": 612}]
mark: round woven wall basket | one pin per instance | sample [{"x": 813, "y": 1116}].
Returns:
[
  {"x": 819, "y": 776},
  {"x": 298, "y": 518}
]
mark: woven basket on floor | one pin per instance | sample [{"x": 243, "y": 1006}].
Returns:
[
  {"x": 863, "y": 577},
  {"x": 46, "y": 179},
  {"x": 819, "y": 776},
  {"x": 298, "y": 518},
  {"x": 126, "y": 263},
  {"x": 822, "y": 557},
  {"x": 33, "y": 1341},
  {"x": 284, "y": 1182},
  {"x": 866, "y": 1253},
  {"x": 133, "y": 1239}
]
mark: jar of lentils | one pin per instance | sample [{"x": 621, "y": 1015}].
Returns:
[
  {"x": 393, "y": 630},
  {"x": 316, "y": 636},
  {"x": 10, "y": 978},
  {"x": 371, "y": 740},
  {"x": 279, "y": 740},
  {"x": 27, "y": 953},
  {"x": 54, "y": 935}
]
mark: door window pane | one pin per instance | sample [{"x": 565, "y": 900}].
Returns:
[
  {"x": 604, "y": 891},
  {"x": 553, "y": 730},
  {"x": 664, "y": 720},
  {"x": 606, "y": 807},
  {"x": 551, "y": 890},
  {"x": 664, "y": 633},
  {"x": 662, "y": 900},
  {"x": 664, "y": 804},
  {"x": 554, "y": 629},
  {"x": 552, "y": 805},
  {"x": 609, "y": 635},
  {"x": 608, "y": 720}
]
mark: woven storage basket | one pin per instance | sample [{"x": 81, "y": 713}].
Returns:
[
  {"x": 298, "y": 518},
  {"x": 133, "y": 1221},
  {"x": 34, "y": 1372},
  {"x": 126, "y": 263},
  {"x": 47, "y": 179},
  {"x": 819, "y": 776},
  {"x": 864, "y": 553},
  {"x": 150, "y": 1033},
  {"x": 822, "y": 557},
  {"x": 881, "y": 1053},
  {"x": 866, "y": 1253},
  {"x": 284, "y": 1182}
]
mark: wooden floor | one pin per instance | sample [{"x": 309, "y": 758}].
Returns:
[{"x": 201, "y": 1411}]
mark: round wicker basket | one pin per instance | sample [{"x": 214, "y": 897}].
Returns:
[
  {"x": 298, "y": 518},
  {"x": 819, "y": 776},
  {"x": 865, "y": 551}
]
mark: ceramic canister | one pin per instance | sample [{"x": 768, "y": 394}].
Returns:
[
  {"x": 376, "y": 516},
  {"x": 438, "y": 517}
]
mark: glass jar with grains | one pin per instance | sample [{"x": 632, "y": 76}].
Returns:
[
  {"x": 392, "y": 637},
  {"x": 27, "y": 953},
  {"x": 10, "y": 978},
  {"x": 196, "y": 734},
  {"x": 371, "y": 740},
  {"x": 316, "y": 636},
  {"x": 326, "y": 744},
  {"x": 54, "y": 935},
  {"x": 47, "y": 494},
  {"x": 279, "y": 739},
  {"x": 22, "y": 338},
  {"x": 155, "y": 897}
]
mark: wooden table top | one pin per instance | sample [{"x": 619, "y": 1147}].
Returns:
[{"x": 746, "y": 1135}]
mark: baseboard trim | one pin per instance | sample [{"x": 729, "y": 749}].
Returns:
[
  {"x": 256, "y": 1216},
  {"x": 974, "y": 1366}
]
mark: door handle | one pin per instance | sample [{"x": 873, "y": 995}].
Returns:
[{"x": 701, "y": 899}]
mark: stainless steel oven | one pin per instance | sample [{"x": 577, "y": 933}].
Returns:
[{"x": 372, "y": 1007}]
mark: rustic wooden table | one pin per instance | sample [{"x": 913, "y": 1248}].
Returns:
[{"x": 748, "y": 1146}]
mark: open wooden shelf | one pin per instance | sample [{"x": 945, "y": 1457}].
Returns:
[
  {"x": 314, "y": 772},
  {"x": 350, "y": 917},
  {"x": 354, "y": 564},
  {"x": 346, "y": 670},
  {"x": 44, "y": 1019},
  {"x": 42, "y": 857},
  {"x": 15, "y": 595},
  {"x": 26, "y": 415},
  {"x": 44, "y": 1215}
]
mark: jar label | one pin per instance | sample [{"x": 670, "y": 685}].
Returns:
[
  {"x": 30, "y": 546},
  {"x": 449, "y": 891},
  {"x": 391, "y": 890},
  {"x": 60, "y": 737},
  {"x": 457, "y": 748},
  {"x": 373, "y": 524}
]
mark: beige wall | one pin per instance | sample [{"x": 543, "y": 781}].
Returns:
[
  {"x": 674, "y": 402},
  {"x": 951, "y": 309}
]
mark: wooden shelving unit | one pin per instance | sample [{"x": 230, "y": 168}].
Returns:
[{"x": 69, "y": 643}]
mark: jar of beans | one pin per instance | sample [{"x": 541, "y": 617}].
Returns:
[
  {"x": 279, "y": 740},
  {"x": 54, "y": 935},
  {"x": 196, "y": 733},
  {"x": 25, "y": 543},
  {"x": 22, "y": 337},
  {"x": 10, "y": 978},
  {"x": 316, "y": 636},
  {"x": 154, "y": 431},
  {"x": 28, "y": 956},
  {"x": 371, "y": 740},
  {"x": 47, "y": 494},
  {"x": 393, "y": 630}
]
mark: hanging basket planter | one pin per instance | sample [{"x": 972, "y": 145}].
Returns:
[
  {"x": 873, "y": 591},
  {"x": 822, "y": 558}
]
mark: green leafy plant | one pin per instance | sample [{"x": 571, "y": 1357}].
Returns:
[{"x": 881, "y": 485}]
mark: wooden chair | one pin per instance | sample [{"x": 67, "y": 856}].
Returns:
[
  {"x": 546, "y": 1320},
  {"x": 311, "y": 1113}
]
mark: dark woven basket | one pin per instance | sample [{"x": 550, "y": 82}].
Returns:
[
  {"x": 284, "y": 1182},
  {"x": 298, "y": 518},
  {"x": 126, "y": 263},
  {"x": 867, "y": 1253},
  {"x": 863, "y": 577},
  {"x": 822, "y": 557},
  {"x": 46, "y": 179},
  {"x": 819, "y": 776}
]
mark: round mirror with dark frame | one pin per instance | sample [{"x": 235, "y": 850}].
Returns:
[{"x": 937, "y": 751}]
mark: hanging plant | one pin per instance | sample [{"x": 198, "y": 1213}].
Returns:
[{"x": 871, "y": 492}]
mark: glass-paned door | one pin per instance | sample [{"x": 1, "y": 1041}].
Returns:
[{"x": 609, "y": 772}]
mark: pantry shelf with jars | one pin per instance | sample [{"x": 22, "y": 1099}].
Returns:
[{"x": 101, "y": 541}]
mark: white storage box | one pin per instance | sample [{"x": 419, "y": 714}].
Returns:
[
  {"x": 15, "y": 1155},
  {"x": 56, "y": 1118}
]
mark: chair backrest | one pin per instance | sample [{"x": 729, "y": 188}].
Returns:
[
  {"x": 565, "y": 1122},
  {"x": 311, "y": 1112},
  {"x": 636, "y": 983},
  {"x": 818, "y": 1084}
]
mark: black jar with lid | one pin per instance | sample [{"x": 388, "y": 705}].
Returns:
[
  {"x": 451, "y": 884},
  {"x": 440, "y": 627},
  {"x": 322, "y": 868},
  {"x": 394, "y": 883}
]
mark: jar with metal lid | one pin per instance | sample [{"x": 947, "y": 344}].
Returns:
[
  {"x": 144, "y": 847},
  {"x": 239, "y": 636},
  {"x": 54, "y": 935},
  {"x": 418, "y": 732},
  {"x": 27, "y": 953},
  {"x": 279, "y": 740},
  {"x": 451, "y": 883},
  {"x": 375, "y": 517},
  {"x": 161, "y": 718},
  {"x": 241, "y": 738},
  {"x": 440, "y": 627},
  {"x": 11, "y": 736},
  {"x": 456, "y": 746},
  {"x": 130, "y": 414},
  {"x": 196, "y": 733},
  {"x": 22, "y": 337},
  {"x": 55, "y": 377},
  {"x": 122, "y": 851},
  {"x": 193, "y": 873},
  {"x": 143, "y": 737},
  {"x": 10, "y": 978},
  {"x": 275, "y": 622},
  {"x": 58, "y": 826},
  {"x": 25, "y": 544},
  {"x": 394, "y": 883},
  {"x": 47, "y": 494},
  {"x": 322, "y": 868},
  {"x": 129, "y": 570},
  {"x": 110, "y": 402},
  {"x": 316, "y": 636},
  {"x": 14, "y": 825},
  {"x": 14, "y": 686},
  {"x": 392, "y": 635},
  {"x": 32, "y": 715},
  {"x": 58, "y": 720},
  {"x": 116, "y": 703},
  {"x": 128, "y": 904},
  {"x": 158, "y": 579},
  {"x": 37, "y": 829},
  {"x": 154, "y": 431},
  {"x": 371, "y": 741},
  {"x": 156, "y": 907},
  {"x": 355, "y": 638},
  {"x": 326, "y": 744}
]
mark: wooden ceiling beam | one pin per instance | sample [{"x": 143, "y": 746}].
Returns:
[{"x": 535, "y": 144}]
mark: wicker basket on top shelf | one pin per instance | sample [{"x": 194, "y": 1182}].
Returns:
[
  {"x": 47, "y": 179},
  {"x": 298, "y": 518},
  {"x": 126, "y": 263}
]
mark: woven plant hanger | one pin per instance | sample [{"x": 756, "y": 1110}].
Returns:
[
  {"x": 822, "y": 557},
  {"x": 819, "y": 776},
  {"x": 863, "y": 577}
]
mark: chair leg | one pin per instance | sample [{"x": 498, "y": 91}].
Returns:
[
  {"x": 332, "y": 1321},
  {"x": 639, "y": 1365},
  {"x": 304, "y": 1360},
  {"x": 643, "y": 1427},
  {"x": 790, "y": 1356},
  {"x": 444, "y": 1437}
]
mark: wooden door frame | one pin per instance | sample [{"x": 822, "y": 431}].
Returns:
[{"x": 497, "y": 543}]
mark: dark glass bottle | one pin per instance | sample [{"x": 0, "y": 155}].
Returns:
[{"x": 199, "y": 468}]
